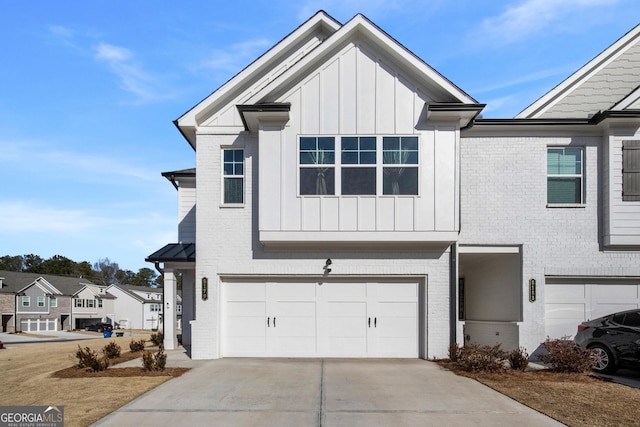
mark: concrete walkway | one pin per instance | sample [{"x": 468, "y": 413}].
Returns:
[{"x": 322, "y": 392}]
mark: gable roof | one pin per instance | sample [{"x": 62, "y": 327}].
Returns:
[
  {"x": 275, "y": 60},
  {"x": 302, "y": 51},
  {"x": 132, "y": 291},
  {"x": 603, "y": 83},
  {"x": 67, "y": 286}
]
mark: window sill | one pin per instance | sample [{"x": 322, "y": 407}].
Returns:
[
  {"x": 566, "y": 205},
  {"x": 232, "y": 205}
]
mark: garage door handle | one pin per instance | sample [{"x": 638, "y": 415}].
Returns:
[
  {"x": 268, "y": 321},
  {"x": 369, "y": 322},
  {"x": 375, "y": 322},
  {"x": 274, "y": 322}
]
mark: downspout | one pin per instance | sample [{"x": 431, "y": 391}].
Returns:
[{"x": 161, "y": 271}]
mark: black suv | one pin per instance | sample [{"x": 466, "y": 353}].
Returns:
[
  {"x": 614, "y": 338},
  {"x": 99, "y": 327}
]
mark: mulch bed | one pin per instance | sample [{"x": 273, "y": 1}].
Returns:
[{"x": 114, "y": 371}]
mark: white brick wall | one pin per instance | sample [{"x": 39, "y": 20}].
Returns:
[{"x": 503, "y": 202}]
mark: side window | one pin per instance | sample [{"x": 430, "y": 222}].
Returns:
[
  {"x": 400, "y": 159},
  {"x": 53, "y": 302},
  {"x": 40, "y": 301},
  {"x": 317, "y": 165},
  {"x": 358, "y": 165},
  {"x": 26, "y": 301},
  {"x": 632, "y": 319},
  {"x": 233, "y": 176},
  {"x": 565, "y": 175},
  {"x": 631, "y": 171}
]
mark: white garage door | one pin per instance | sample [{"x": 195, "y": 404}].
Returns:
[
  {"x": 330, "y": 319},
  {"x": 37, "y": 325},
  {"x": 568, "y": 305}
]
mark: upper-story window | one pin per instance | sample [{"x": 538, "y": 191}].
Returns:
[
  {"x": 233, "y": 176},
  {"x": 53, "y": 302},
  {"x": 40, "y": 302},
  {"x": 565, "y": 175},
  {"x": 26, "y": 301},
  {"x": 366, "y": 165},
  {"x": 631, "y": 171}
]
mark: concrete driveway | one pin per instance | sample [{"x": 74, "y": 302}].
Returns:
[{"x": 323, "y": 392}]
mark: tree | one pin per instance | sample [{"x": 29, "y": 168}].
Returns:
[
  {"x": 125, "y": 277},
  {"x": 145, "y": 277},
  {"x": 106, "y": 272},
  {"x": 33, "y": 263},
  {"x": 11, "y": 263},
  {"x": 58, "y": 265}
]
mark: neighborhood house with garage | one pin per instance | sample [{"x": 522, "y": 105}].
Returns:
[{"x": 348, "y": 200}]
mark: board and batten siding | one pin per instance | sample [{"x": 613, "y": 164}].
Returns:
[
  {"x": 187, "y": 211},
  {"x": 358, "y": 93},
  {"x": 622, "y": 218}
]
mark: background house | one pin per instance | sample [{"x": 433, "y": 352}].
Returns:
[
  {"x": 92, "y": 304},
  {"x": 7, "y": 305},
  {"x": 138, "y": 307}
]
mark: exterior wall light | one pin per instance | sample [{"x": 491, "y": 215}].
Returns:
[{"x": 326, "y": 268}]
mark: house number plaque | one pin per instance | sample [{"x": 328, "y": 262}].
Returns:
[{"x": 205, "y": 289}]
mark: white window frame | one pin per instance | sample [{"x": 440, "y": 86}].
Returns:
[
  {"x": 26, "y": 301},
  {"x": 40, "y": 302},
  {"x": 232, "y": 176},
  {"x": 78, "y": 303},
  {"x": 581, "y": 176},
  {"x": 53, "y": 302},
  {"x": 379, "y": 165},
  {"x": 99, "y": 302},
  {"x": 91, "y": 303}
]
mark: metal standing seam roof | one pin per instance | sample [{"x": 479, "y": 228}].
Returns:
[{"x": 174, "y": 252}]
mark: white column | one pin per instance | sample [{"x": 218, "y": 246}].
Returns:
[{"x": 169, "y": 310}]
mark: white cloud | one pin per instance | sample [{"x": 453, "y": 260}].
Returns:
[
  {"x": 133, "y": 79},
  {"x": 531, "y": 17},
  {"x": 21, "y": 216}
]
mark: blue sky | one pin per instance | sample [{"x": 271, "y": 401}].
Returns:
[{"x": 89, "y": 91}]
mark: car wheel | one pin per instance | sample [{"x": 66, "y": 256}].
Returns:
[{"x": 604, "y": 362}]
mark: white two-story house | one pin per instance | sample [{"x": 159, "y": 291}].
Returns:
[{"x": 349, "y": 201}]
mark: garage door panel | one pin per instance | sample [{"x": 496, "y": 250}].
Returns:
[
  {"x": 565, "y": 292},
  {"x": 565, "y": 311},
  {"x": 291, "y": 290},
  {"x": 245, "y": 291},
  {"x": 396, "y": 290},
  {"x": 345, "y": 309},
  {"x": 342, "y": 290},
  {"x": 615, "y": 291},
  {"x": 245, "y": 308},
  {"x": 245, "y": 326}
]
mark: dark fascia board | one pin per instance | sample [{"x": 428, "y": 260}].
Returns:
[
  {"x": 596, "y": 119},
  {"x": 184, "y": 173},
  {"x": 268, "y": 108}
]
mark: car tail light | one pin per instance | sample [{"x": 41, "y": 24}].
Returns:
[{"x": 582, "y": 327}]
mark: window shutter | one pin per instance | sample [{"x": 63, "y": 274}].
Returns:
[{"x": 631, "y": 171}]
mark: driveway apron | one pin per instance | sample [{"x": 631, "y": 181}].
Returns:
[{"x": 323, "y": 392}]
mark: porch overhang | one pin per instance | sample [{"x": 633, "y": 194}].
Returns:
[{"x": 174, "y": 252}]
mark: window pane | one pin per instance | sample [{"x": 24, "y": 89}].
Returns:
[
  {"x": 317, "y": 181},
  {"x": 233, "y": 190},
  {"x": 632, "y": 319},
  {"x": 391, "y": 143},
  {"x": 350, "y": 158},
  {"x": 317, "y": 151},
  {"x": 564, "y": 190},
  {"x": 368, "y": 143},
  {"x": 564, "y": 161},
  {"x": 350, "y": 143},
  {"x": 368, "y": 158},
  {"x": 358, "y": 181},
  {"x": 400, "y": 181},
  {"x": 400, "y": 150},
  {"x": 631, "y": 171}
]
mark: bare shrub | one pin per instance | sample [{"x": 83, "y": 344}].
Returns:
[
  {"x": 563, "y": 355},
  {"x": 454, "y": 352},
  {"x": 136, "y": 346},
  {"x": 157, "y": 338},
  {"x": 154, "y": 361},
  {"x": 474, "y": 358},
  {"x": 111, "y": 350},
  {"x": 89, "y": 359},
  {"x": 518, "y": 359}
]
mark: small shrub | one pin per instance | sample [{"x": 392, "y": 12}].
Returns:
[
  {"x": 154, "y": 361},
  {"x": 112, "y": 350},
  {"x": 563, "y": 355},
  {"x": 454, "y": 352},
  {"x": 519, "y": 359},
  {"x": 136, "y": 346},
  {"x": 89, "y": 359},
  {"x": 474, "y": 358},
  {"x": 157, "y": 338}
]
